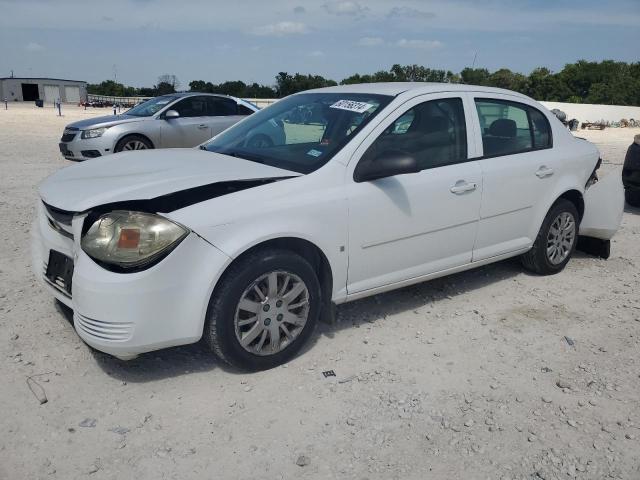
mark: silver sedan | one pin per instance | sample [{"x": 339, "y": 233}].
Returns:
[{"x": 174, "y": 120}]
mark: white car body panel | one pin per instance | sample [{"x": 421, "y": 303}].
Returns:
[
  {"x": 513, "y": 194},
  {"x": 376, "y": 236},
  {"x": 152, "y": 174},
  {"x": 604, "y": 206},
  {"x": 235, "y": 223},
  {"x": 425, "y": 227}
]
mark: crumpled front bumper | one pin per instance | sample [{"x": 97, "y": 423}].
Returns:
[{"x": 125, "y": 314}]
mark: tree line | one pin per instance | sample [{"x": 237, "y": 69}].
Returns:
[{"x": 607, "y": 82}]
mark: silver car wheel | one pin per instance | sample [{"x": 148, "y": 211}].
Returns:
[
  {"x": 272, "y": 312},
  {"x": 134, "y": 145},
  {"x": 560, "y": 238}
]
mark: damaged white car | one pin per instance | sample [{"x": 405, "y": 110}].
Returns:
[{"x": 368, "y": 188}]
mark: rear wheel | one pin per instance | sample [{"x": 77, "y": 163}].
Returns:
[
  {"x": 264, "y": 310},
  {"x": 556, "y": 240},
  {"x": 133, "y": 142}
]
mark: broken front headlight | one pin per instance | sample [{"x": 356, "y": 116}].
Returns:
[{"x": 131, "y": 240}]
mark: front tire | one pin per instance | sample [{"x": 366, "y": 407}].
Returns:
[
  {"x": 556, "y": 240},
  {"x": 263, "y": 310},
  {"x": 132, "y": 142}
]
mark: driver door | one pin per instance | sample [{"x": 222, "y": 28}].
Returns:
[
  {"x": 191, "y": 128},
  {"x": 407, "y": 226}
]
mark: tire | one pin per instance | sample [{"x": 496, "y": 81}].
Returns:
[
  {"x": 632, "y": 198},
  {"x": 227, "y": 322},
  {"x": 132, "y": 142},
  {"x": 540, "y": 259}
]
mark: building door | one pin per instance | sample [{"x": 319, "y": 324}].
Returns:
[
  {"x": 51, "y": 93},
  {"x": 30, "y": 92},
  {"x": 72, "y": 94}
]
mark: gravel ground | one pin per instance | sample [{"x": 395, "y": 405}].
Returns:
[{"x": 492, "y": 373}]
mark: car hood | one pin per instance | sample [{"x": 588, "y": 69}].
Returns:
[
  {"x": 147, "y": 175},
  {"x": 105, "y": 121}
]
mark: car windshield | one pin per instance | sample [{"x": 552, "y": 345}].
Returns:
[
  {"x": 301, "y": 132},
  {"x": 151, "y": 106}
]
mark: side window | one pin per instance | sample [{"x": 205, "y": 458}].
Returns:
[
  {"x": 221, "y": 107},
  {"x": 191, "y": 107},
  {"x": 434, "y": 132},
  {"x": 244, "y": 110},
  {"x": 511, "y": 127},
  {"x": 541, "y": 129}
]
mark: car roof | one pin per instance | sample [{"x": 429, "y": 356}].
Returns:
[
  {"x": 191, "y": 94},
  {"x": 396, "y": 88}
]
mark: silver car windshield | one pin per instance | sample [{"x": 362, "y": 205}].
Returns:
[
  {"x": 151, "y": 106},
  {"x": 301, "y": 132}
]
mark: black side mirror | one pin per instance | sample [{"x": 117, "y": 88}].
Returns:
[{"x": 388, "y": 164}]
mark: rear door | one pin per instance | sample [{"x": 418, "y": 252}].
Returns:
[
  {"x": 519, "y": 168},
  {"x": 223, "y": 112},
  {"x": 191, "y": 128}
]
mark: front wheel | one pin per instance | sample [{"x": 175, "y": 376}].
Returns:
[
  {"x": 556, "y": 240},
  {"x": 264, "y": 310},
  {"x": 132, "y": 142}
]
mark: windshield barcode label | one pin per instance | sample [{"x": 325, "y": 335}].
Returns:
[{"x": 350, "y": 105}]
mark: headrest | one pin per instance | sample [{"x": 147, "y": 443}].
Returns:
[{"x": 503, "y": 127}]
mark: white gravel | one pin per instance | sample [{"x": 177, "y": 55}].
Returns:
[{"x": 468, "y": 377}]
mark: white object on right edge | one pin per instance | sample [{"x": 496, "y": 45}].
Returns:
[{"x": 603, "y": 207}]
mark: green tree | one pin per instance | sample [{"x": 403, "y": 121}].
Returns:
[
  {"x": 164, "y": 88},
  {"x": 475, "y": 76}
]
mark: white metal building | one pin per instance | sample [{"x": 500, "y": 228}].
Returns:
[{"x": 15, "y": 89}]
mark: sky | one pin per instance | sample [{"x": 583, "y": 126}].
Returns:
[{"x": 135, "y": 41}]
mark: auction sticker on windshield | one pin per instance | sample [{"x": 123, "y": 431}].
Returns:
[{"x": 352, "y": 106}]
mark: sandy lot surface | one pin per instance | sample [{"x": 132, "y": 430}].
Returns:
[{"x": 489, "y": 374}]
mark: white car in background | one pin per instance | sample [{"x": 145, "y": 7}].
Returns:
[
  {"x": 382, "y": 186},
  {"x": 168, "y": 121}
]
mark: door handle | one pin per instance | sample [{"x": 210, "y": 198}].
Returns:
[
  {"x": 203, "y": 126},
  {"x": 544, "y": 172},
  {"x": 462, "y": 186}
]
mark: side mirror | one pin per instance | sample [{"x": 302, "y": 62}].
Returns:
[
  {"x": 169, "y": 114},
  {"x": 388, "y": 164}
]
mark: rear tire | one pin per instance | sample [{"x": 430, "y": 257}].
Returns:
[
  {"x": 256, "y": 318},
  {"x": 556, "y": 240},
  {"x": 632, "y": 198},
  {"x": 132, "y": 142}
]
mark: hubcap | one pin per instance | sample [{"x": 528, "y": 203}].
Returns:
[
  {"x": 134, "y": 145},
  {"x": 272, "y": 312},
  {"x": 560, "y": 238}
]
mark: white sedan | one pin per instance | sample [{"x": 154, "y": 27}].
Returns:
[{"x": 371, "y": 188}]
